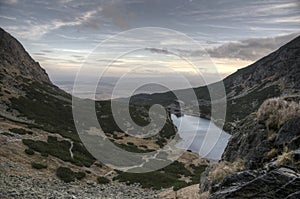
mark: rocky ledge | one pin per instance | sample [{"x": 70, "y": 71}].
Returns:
[
  {"x": 12, "y": 186},
  {"x": 278, "y": 183}
]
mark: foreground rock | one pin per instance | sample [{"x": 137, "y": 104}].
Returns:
[
  {"x": 12, "y": 186},
  {"x": 278, "y": 183},
  {"x": 269, "y": 158}
]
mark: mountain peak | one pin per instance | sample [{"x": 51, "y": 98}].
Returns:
[{"x": 15, "y": 61}]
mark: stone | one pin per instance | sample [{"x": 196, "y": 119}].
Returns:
[{"x": 277, "y": 183}]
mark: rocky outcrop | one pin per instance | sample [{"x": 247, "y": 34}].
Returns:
[
  {"x": 15, "y": 61},
  {"x": 271, "y": 158},
  {"x": 253, "y": 143},
  {"x": 289, "y": 135},
  {"x": 249, "y": 142},
  {"x": 278, "y": 183}
]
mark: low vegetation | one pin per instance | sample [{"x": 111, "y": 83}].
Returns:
[
  {"x": 29, "y": 152},
  {"x": 60, "y": 149},
  {"x": 7, "y": 134},
  {"x": 239, "y": 108},
  {"x": 155, "y": 179},
  {"x": 38, "y": 165},
  {"x": 102, "y": 180},
  {"x": 133, "y": 148},
  {"x": 197, "y": 171},
  {"x": 275, "y": 112},
  {"x": 67, "y": 175},
  {"x": 222, "y": 169},
  {"x": 20, "y": 131},
  {"x": 48, "y": 106},
  {"x": 165, "y": 177},
  {"x": 286, "y": 158},
  {"x": 81, "y": 157}
]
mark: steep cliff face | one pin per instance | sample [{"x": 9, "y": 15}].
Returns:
[{"x": 15, "y": 61}]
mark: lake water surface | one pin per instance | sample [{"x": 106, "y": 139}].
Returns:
[{"x": 201, "y": 136}]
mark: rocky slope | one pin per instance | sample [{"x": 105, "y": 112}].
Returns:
[
  {"x": 29, "y": 187},
  {"x": 278, "y": 183},
  {"x": 270, "y": 158},
  {"x": 16, "y": 61},
  {"x": 275, "y": 75},
  {"x": 266, "y": 149}
]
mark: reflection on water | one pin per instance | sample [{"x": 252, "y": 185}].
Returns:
[{"x": 201, "y": 136}]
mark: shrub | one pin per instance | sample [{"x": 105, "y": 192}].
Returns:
[
  {"x": 197, "y": 171},
  {"x": 29, "y": 151},
  {"x": 155, "y": 179},
  {"x": 275, "y": 112},
  {"x": 285, "y": 159},
  {"x": 65, "y": 174},
  {"x": 180, "y": 185},
  {"x": 222, "y": 169},
  {"x": 102, "y": 180},
  {"x": 59, "y": 149},
  {"x": 44, "y": 154},
  {"x": 79, "y": 175},
  {"x": 7, "y": 134},
  {"x": 20, "y": 131},
  {"x": 272, "y": 153},
  {"x": 38, "y": 165}
]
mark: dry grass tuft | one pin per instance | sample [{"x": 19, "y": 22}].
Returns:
[
  {"x": 223, "y": 169},
  {"x": 274, "y": 112},
  {"x": 285, "y": 159}
]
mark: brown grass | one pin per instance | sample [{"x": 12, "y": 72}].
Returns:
[
  {"x": 274, "y": 112},
  {"x": 223, "y": 169}
]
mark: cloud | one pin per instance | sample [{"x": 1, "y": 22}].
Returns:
[
  {"x": 34, "y": 29},
  {"x": 160, "y": 51},
  {"x": 47, "y": 51},
  {"x": 115, "y": 10},
  {"x": 7, "y": 17},
  {"x": 250, "y": 49},
  {"x": 41, "y": 54},
  {"x": 10, "y": 1}
]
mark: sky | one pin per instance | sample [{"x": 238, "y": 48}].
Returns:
[{"x": 65, "y": 35}]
